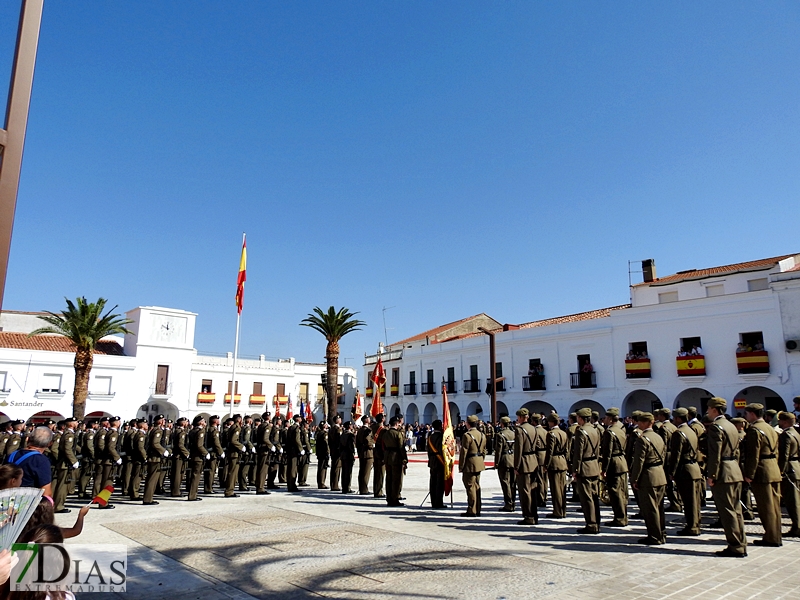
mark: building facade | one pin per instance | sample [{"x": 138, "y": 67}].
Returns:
[
  {"x": 154, "y": 370},
  {"x": 738, "y": 326}
]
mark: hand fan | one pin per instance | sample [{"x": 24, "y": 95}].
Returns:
[{"x": 16, "y": 507}]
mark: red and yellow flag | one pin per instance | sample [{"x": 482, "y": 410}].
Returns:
[
  {"x": 242, "y": 277},
  {"x": 448, "y": 443},
  {"x": 358, "y": 407},
  {"x": 104, "y": 495},
  {"x": 379, "y": 379}
]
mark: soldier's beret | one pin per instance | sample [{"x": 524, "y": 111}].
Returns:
[
  {"x": 786, "y": 416},
  {"x": 754, "y": 406},
  {"x": 49, "y": 422},
  {"x": 612, "y": 412},
  {"x": 771, "y": 413},
  {"x": 681, "y": 412},
  {"x": 237, "y": 416},
  {"x": 635, "y": 414},
  {"x": 299, "y": 418},
  {"x": 796, "y": 399},
  {"x": 364, "y": 418},
  {"x": 692, "y": 410},
  {"x": 646, "y": 417},
  {"x": 197, "y": 419},
  {"x": 573, "y": 414},
  {"x": 665, "y": 411},
  {"x": 19, "y": 422},
  {"x": 157, "y": 417},
  {"x": 553, "y": 418},
  {"x": 266, "y": 415},
  {"x": 473, "y": 419},
  {"x": 115, "y": 419},
  {"x": 717, "y": 402},
  {"x": 584, "y": 412},
  {"x": 738, "y": 421},
  {"x": 595, "y": 414},
  {"x": 522, "y": 412},
  {"x": 505, "y": 420}
]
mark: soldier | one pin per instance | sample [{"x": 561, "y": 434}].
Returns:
[
  {"x": 503, "y": 463},
  {"x": 14, "y": 441},
  {"x": 4, "y": 435},
  {"x": 335, "y": 445},
  {"x": 700, "y": 431},
  {"x": 541, "y": 451},
  {"x": 198, "y": 455},
  {"x": 276, "y": 455},
  {"x": 156, "y": 452},
  {"x": 682, "y": 468},
  {"x": 294, "y": 451},
  {"x": 572, "y": 428},
  {"x": 586, "y": 470},
  {"x": 436, "y": 466},
  {"x": 555, "y": 461},
  {"x": 180, "y": 457},
  {"x": 614, "y": 467},
  {"x": 347, "y": 456},
  {"x": 741, "y": 425},
  {"x": 67, "y": 463},
  {"x": 110, "y": 457},
  {"x": 630, "y": 443},
  {"x": 52, "y": 452},
  {"x": 526, "y": 464},
  {"x": 725, "y": 477},
  {"x": 138, "y": 458},
  {"x": 789, "y": 466},
  {"x": 649, "y": 479},
  {"x": 762, "y": 473},
  {"x": 246, "y": 460},
  {"x": 471, "y": 465},
  {"x": 378, "y": 465},
  {"x": 665, "y": 428},
  {"x": 283, "y": 463},
  {"x": 126, "y": 453},
  {"x": 394, "y": 452},
  {"x": 217, "y": 452},
  {"x": 365, "y": 446},
  {"x": 233, "y": 454},
  {"x": 305, "y": 460},
  {"x": 264, "y": 448},
  {"x": 323, "y": 455},
  {"x": 166, "y": 441}
]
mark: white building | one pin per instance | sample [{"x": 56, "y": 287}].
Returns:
[
  {"x": 154, "y": 370},
  {"x": 542, "y": 362}
]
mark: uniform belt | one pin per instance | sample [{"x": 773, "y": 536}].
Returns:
[
  {"x": 474, "y": 455},
  {"x": 653, "y": 464},
  {"x": 529, "y": 453},
  {"x": 559, "y": 454},
  {"x": 616, "y": 455},
  {"x": 767, "y": 457},
  {"x": 728, "y": 458},
  {"x": 688, "y": 462},
  {"x": 794, "y": 458},
  {"x": 588, "y": 458},
  {"x": 509, "y": 452}
]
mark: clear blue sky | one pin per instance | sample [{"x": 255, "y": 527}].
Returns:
[{"x": 441, "y": 158}]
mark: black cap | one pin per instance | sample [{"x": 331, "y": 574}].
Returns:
[{"x": 157, "y": 417}]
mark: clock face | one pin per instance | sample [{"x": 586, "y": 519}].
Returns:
[{"x": 169, "y": 329}]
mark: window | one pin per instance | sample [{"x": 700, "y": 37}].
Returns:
[
  {"x": 205, "y": 386},
  {"x": 666, "y": 297},
  {"x": 162, "y": 379},
  {"x": 412, "y": 377},
  {"x": 229, "y": 387},
  {"x": 753, "y": 341},
  {"x": 303, "y": 392},
  {"x": 395, "y": 377},
  {"x": 280, "y": 391},
  {"x": 715, "y": 290},
  {"x": 51, "y": 383},
  {"x": 257, "y": 388},
  {"x": 690, "y": 344},
  {"x": 498, "y": 373},
  {"x": 754, "y": 285},
  {"x": 3, "y": 376},
  {"x": 451, "y": 374},
  {"x": 637, "y": 350},
  {"x": 320, "y": 391},
  {"x": 429, "y": 375},
  {"x": 473, "y": 372},
  {"x": 340, "y": 394},
  {"x": 533, "y": 365},
  {"x": 102, "y": 385}
]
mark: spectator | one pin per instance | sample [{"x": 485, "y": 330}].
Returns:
[
  {"x": 10, "y": 477},
  {"x": 35, "y": 466}
]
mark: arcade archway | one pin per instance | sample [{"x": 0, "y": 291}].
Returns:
[
  {"x": 430, "y": 414},
  {"x": 697, "y": 397},
  {"x": 762, "y": 395},
  {"x": 412, "y": 413},
  {"x": 502, "y": 409},
  {"x": 151, "y": 409},
  {"x": 455, "y": 413},
  {"x": 586, "y": 403},
  {"x": 475, "y": 408},
  {"x": 641, "y": 400}
]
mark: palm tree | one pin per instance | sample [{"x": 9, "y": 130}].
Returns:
[
  {"x": 334, "y": 326},
  {"x": 84, "y": 325}
]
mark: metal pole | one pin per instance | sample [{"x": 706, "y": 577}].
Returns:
[
  {"x": 492, "y": 376},
  {"x": 235, "y": 356},
  {"x": 12, "y": 136}
]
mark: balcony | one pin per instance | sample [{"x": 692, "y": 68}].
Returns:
[
  {"x": 752, "y": 362},
  {"x": 161, "y": 390},
  {"x": 429, "y": 388},
  {"x": 236, "y": 399},
  {"x": 533, "y": 383},
  {"x": 637, "y": 368},
  {"x": 394, "y": 390},
  {"x": 582, "y": 380},
  {"x": 451, "y": 387},
  {"x": 691, "y": 366},
  {"x": 206, "y": 398},
  {"x": 410, "y": 389},
  {"x": 500, "y": 386},
  {"x": 371, "y": 391},
  {"x": 257, "y": 400},
  {"x": 472, "y": 386}
]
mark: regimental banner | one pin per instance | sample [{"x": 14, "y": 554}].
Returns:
[
  {"x": 753, "y": 362},
  {"x": 638, "y": 367},
  {"x": 257, "y": 400},
  {"x": 691, "y": 365},
  {"x": 206, "y": 398}
]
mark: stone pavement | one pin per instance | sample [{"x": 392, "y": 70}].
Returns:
[{"x": 322, "y": 544}]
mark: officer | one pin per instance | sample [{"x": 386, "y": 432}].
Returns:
[
  {"x": 504, "y": 463},
  {"x": 586, "y": 470},
  {"x": 555, "y": 461},
  {"x": 724, "y": 477},
  {"x": 335, "y": 445},
  {"x": 138, "y": 458},
  {"x": 347, "y": 456},
  {"x": 155, "y": 453},
  {"x": 572, "y": 429},
  {"x": 87, "y": 457},
  {"x": 471, "y": 465},
  {"x": 535, "y": 419},
  {"x": 233, "y": 454},
  {"x": 198, "y": 455},
  {"x": 305, "y": 460},
  {"x": 526, "y": 464},
  {"x": 365, "y": 446},
  {"x": 378, "y": 465},
  {"x": 649, "y": 479},
  {"x": 762, "y": 473},
  {"x": 276, "y": 451},
  {"x": 789, "y": 466},
  {"x": 614, "y": 467},
  {"x": 263, "y": 450},
  {"x": 294, "y": 451},
  {"x": 217, "y": 452},
  {"x": 180, "y": 456},
  {"x": 4, "y": 435},
  {"x": 436, "y": 466},
  {"x": 66, "y": 465},
  {"x": 394, "y": 451},
  {"x": 323, "y": 455},
  {"x": 682, "y": 468}
]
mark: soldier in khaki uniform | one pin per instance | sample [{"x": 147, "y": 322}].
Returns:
[
  {"x": 217, "y": 452},
  {"x": 365, "y": 446},
  {"x": 294, "y": 451},
  {"x": 156, "y": 452},
  {"x": 762, "y": 473},
  {"x": 526, "y": 464},
  {"x": 305, "y": 461},
  {"x": 138, "y": 459},
  {"x": 378, "y": 465},
  {"x": 87, "y": 458},
  {"x": 789, "y": 466},
  {"x": 180, "y": 457},
  {"x": 555, "y": 462},
  {"x": 535, "y": 419},
  {"x": 99, "y": 452},
  {"x": 436, "y": 465},
  {"x": 264, "y": 448},
  {"x": 724, "y": 477},
  {"x": 394, "y": 451},
  {"x": 614, "y": 467},
  {"x": 682, "y": 468},
  {"x": 666, "y": 429},
  {"x": 323, "y": 453},
  {"x": 198, "y": 455},
  {"x": 233, "y": 454},
  {"x": 347, "y": 456},
  {"x": 111, "y": 457},
  {"x": 700, "y": 431},
  {"x": 648, "y": 477},
  {"x": 586, "y": 470},
  {"x": 276, "y": 454},
  {"x": 66, "y": 465},
  {"x": 504, "y": 463},
  {"x": 471, "y": 465}
]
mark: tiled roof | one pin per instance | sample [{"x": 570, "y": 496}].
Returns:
[
  {"x": 53, "y": 343},
  {"x": 753, "y": 265},
  {"x": 584, "y": 316},
  {"x": 437, "y": 330},
  {"x": 795, "y": 269}
]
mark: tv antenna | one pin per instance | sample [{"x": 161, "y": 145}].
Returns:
[{"x": 385, "y": 334}]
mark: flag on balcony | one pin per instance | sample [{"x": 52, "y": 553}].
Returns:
[
  {"x": 448, "y": 443},
  {"x": 379, "y": 379},
  {"x": 242, "y": 277}
]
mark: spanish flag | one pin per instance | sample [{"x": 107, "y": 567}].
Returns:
[
  {"x": 242, "y": 277},
  {"x": 448, "y": 443},
  {"x": 104, "y": 495},
  {"x": 378, "y": 377}
]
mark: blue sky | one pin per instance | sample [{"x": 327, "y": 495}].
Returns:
[{"x": 440, "y": 158}]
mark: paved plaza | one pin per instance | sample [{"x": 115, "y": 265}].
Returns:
[{"x": 322, "y": 544}]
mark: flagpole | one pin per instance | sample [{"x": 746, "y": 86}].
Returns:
[{"x": 235, "y": 356}]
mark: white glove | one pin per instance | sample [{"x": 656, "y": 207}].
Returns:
[
  {"x": 208, "y": 457},
  {"x": 222, "y": 455},
  {"x": 253, "y": 450},
  {"x": 273, "y": 449},
  {"x": 76, "y": 465},
  {"x": 281, "y": 450},
  {"x": 302, "y": 452},
  {"x": 166, "y": 453},
  {"x": 119, "y": 461}
]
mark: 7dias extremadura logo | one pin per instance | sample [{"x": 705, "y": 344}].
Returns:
[{"x": 77, "y": 568}]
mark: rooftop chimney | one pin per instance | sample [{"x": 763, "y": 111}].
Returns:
[{"x": 649, "y": 270}]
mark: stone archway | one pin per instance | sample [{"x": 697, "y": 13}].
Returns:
[
  {"x": 641, "y": 400},
  {"x": 455, "y": 414},
  {"x": 586, "y": 403},
  {"x": 4, "y": 418},
  {"x": 502, "y": 409},
  {"x": 430, "y": 414},
  {"x": 45, "y": 415},
  {"x": 412, "y": 413},
  {"x": 697, "y": 397},
  {"x": 760, "y": 394},
  {"x": 539, "y": 406},
  {"x": 158, "y": 407},
  {"x": 475, "y": 408}
]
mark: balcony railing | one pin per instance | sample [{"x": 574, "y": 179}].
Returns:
[
  {"x": 206, "y": 398},
  {"x": 410, "y": 389},
  {"x": 451, "y": 387},
  {"x": 688, "y": 366},
  {"x": 637, "y": 368},
  {"x": 501, "y": 386},
  {"x": 429, "y": 388},
  {"x": 161, "y": 389},
  {"x": 582, "y": 380},
  {"x": 752, "y": 362},
  {"x": 533, "y": 383},
  {"x": 472, "y": 386}
]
